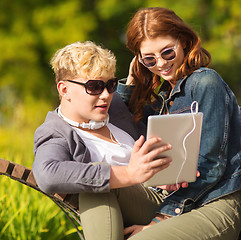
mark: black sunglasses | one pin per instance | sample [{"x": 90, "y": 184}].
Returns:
[
  {"x": 167, "y": 54},
  {"x": 96, "y": 87}
]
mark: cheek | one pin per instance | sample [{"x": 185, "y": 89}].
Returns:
[{"x": 78, "y": 95}]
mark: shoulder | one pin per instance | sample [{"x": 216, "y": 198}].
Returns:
[
  {"x": 206, "y": 78},
  {"x": 52, "y": 125},
  {"x": 56, "y": 131}
]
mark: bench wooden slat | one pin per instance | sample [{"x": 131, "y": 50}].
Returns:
[
  {"x": 4, "y": 165},
  {"x": 30, "y": 179},
  {"x": 18, "y": 171},
  {"x": 60, "y": 196}
]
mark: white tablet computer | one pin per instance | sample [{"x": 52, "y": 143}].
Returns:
[{"x": 183, "y": 132}]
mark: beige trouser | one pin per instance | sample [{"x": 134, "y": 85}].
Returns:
[{"x": 103, "y": 214}]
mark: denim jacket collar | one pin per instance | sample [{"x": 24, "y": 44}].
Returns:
[
  {"x": 177, "y": 87},
  {"x": 166, "y": 96}
]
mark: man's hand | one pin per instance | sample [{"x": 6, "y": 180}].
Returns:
[{"x": 143, "y": 164}]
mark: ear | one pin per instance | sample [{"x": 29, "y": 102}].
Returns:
[{"x": 63, "y": 90}]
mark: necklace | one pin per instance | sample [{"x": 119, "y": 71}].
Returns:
[{"x": 112, "y": 138}]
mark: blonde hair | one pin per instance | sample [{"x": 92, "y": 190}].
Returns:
[{"x": 83, "y": 59}]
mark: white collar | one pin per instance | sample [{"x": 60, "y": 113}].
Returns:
[{"x": 90, "y": 125}]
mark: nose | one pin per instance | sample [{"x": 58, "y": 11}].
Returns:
[
  {"x": 105, "y": 93},
  {"x": 160, "y": 61}
]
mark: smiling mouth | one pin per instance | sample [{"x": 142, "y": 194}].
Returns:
[{"x": 166, "y": 70}]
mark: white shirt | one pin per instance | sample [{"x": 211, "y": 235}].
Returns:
[{"x": 108, "y": 152}]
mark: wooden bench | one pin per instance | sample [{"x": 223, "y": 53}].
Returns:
[{"x": 68, "y": 203}]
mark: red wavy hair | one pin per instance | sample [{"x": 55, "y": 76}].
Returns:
[{"x": 152, "y": 23}]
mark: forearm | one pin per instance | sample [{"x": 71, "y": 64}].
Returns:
[{"x": 55, "y": 171}]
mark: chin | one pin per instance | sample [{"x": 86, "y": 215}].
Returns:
[
  {"x": 100, "y": 118},
  {"x": 168, "y": 78}
]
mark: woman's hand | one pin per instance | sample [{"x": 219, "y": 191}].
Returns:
[
  {"x": 175, "y": 187},
  {"x": 130, "y": 80},
  {"x": 134, "y": 229},
  {"x": 143, "y": 164}
]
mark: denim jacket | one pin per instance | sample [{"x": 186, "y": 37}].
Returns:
[{"x": 220, "y": 148}]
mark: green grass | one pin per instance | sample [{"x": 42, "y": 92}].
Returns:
[{"x": 26, "y": 214}]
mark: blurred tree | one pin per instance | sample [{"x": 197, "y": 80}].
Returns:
[{"x": 31, "y": 31}]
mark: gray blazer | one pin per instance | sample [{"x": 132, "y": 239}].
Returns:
[{"x": 62, "y": 161}]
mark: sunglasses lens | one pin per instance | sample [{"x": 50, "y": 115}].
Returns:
[
  {"x": 95, "y": 87},
  {"x": 111, "y": 85},
  {"x": 149, "y": 61},
  {"x": 168, "y": 54}
]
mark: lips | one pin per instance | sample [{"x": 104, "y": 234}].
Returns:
[
  {"x": 166, "y": 70},
  {"x": 102, "y": 107}
]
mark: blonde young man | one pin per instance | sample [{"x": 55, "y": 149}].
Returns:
[{"x": 79, "y": 149}]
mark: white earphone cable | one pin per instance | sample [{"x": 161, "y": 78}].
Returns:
[{"x": 184, "y": 146}]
